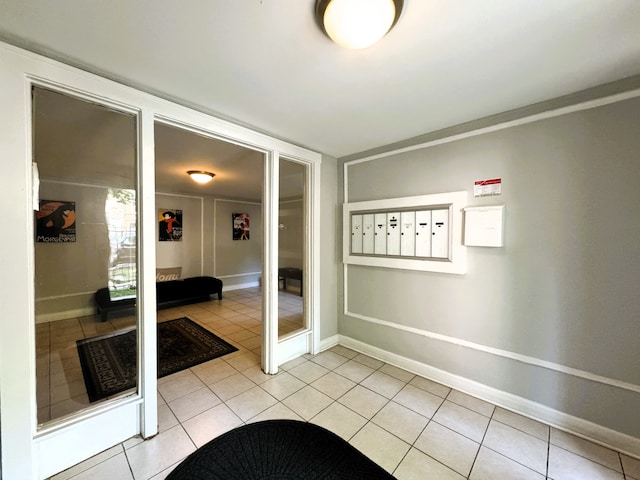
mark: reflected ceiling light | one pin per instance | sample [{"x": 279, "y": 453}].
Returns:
[
  {"x": 357, "y": 23},
  {"x": 200, "y": 176}
]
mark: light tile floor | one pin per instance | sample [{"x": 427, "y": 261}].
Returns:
[{"x": 411, "y": 426}]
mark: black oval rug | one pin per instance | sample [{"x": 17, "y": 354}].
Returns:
[{"x": 278, "y": 450}]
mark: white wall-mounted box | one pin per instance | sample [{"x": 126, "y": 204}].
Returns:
[{"x": 484, "y": 226}]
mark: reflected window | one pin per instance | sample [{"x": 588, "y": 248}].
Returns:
[{"x": 120, "y": 214}]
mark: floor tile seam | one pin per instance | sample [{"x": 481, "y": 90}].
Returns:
[
  {"x": 129, "y": 466},
  {"x": 290, "y": 372},
  {"x": 181, "y": 427},
  {"x": 457, "y": 432},
  {"x": 409, "y": 407},
  {"x": 406, "y": 382},
  {"x": 296, "y": 391},
  {"x": 591, "y": 459},
  {"x": 372, "y": 416},
  {"x": 370, "y": 421},
  {"x": 334, "y": 402},
  {"x": 468, "y": 408},
  {"x": 442, "y": 400},
  {"x": 89, "y": 467},
  {"x": 185, "y": 393},
  {"x": 402, "y": 459},
  {"x": 547, "y": 442},
  {"x": 334, "y": 399},
  {"x": 519, "y": 429},
  {"x": 328, "y": 368},
  {"x": 357, "y": 382},
  {"x": 484, "y": 435},
  {"x": 545, "y": 474},
  {"x": 369, "y": 366},
  {"x": 548, "y": 451},
  {"x": 378, "y": 393},
  {"x": 237, "y": 394},
  {"x": 412, "y": 443},
  {"x": 173, "y": 412},
  {"x": 440, "y": 462}
]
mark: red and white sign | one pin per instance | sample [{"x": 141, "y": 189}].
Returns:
[{"x": 485, "y": 188}]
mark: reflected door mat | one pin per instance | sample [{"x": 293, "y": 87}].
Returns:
[
  {"x": 278, "y": 450},
  {"x": 109, "y": 362}
]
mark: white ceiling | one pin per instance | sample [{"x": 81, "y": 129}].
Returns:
[{"x": 266, "y": 64}]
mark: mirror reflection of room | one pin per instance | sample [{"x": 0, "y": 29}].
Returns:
[
  {"x": 86, "y": 269},
  {"x": 291, "y": 251},
  {"x": 85, "y": 237}
]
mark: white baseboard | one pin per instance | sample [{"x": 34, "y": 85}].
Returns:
[
  {"x": 54, "y": 317},
  {"x": 239, "y": 286},
  {"x": 330, "y": 342},
  {"x": 596, "y": 433}
]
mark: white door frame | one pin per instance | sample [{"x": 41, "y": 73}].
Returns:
[{"x": 32, "y": 453}]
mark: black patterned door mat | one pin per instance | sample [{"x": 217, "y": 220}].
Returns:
[
  {"x": 278, "y": 450},
  {"x": 109, "y": 362}
]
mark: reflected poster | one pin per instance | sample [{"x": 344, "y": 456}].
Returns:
[
  {"x": 169, "y": 225},
  {"x": 56, "y": 222},
  {"x": 240, "y": 226}
]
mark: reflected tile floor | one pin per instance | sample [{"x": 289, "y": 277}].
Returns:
[
  {"x": 411, "y": 426},
  {"x": 60, "y": 386}
]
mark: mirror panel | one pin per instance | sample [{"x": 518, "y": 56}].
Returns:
[
  {"x": 291, "y": 247},
  {"x": 85, "y": 242}
]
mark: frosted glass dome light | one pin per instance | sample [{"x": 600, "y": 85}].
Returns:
[
  {"x": 357, "y": 24},
  {"x": 200, "y": 176}
]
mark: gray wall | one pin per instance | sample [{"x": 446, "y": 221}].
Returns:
[
  {"x": 237, "y": 262},
  {"x": 68, "y": 274},
  {"x": 329, "y": 278},
  {"x": 187, "y": 253},
  {"x": 564, "y": 289}
]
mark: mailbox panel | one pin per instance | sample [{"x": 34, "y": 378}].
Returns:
[
  {"x": 440, "y": 233},
  {"x": 380, "y": 234},
  {"x": 393, "y": 233},
  {"x": 356, "y": 233},
  {"x": 367, "y": 233},
  {"x": 423, "y": 233},
  {"x": 408, "y": 234}
]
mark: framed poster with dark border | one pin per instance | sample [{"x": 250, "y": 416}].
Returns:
[
  {"x": 56, "y": 222},
  {"x": 169, "y": 225}
]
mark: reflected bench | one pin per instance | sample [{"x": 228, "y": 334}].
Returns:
[
  {"x": 168, "y": 294},
  {"x": 290, "y": 273}
]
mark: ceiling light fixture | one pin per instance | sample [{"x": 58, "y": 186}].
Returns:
[
  {"x": 200, "y": 176},
  {"x": 357, "y": 23}
]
